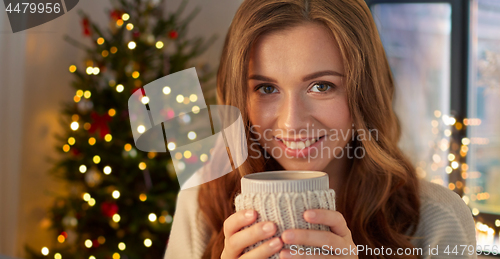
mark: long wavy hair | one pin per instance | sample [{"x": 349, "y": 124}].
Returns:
[{"x": 382, "y": 208}]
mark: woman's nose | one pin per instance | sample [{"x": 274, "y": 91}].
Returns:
[{"x": 293, "y": 113}]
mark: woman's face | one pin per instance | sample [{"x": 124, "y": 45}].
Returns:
[{"x": 296, "y": 94}]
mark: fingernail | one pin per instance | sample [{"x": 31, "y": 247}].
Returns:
[
  {"x": 249, "y": 214},
  {"x": 310, "y": 214},
  {"x": 276, "y": 242},
  {"x": 288, "y": 236},
  {"x": 268, "y": 227}
]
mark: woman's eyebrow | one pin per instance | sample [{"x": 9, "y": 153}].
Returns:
[{"x": 306, "y": 78}]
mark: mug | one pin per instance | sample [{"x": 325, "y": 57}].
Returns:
[{"x": 282, "y": 197}]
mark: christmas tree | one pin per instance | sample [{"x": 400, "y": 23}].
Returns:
[{"x": 121, "y": 201}]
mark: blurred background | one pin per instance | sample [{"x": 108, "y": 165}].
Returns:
[{"x": 72, "y": 184}]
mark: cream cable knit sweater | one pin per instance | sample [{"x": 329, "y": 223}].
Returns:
[{"x": 445, "y": 220}]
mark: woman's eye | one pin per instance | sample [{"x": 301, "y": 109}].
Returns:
[
  {"x": 266, "y": 89},
  {"x": 321, "y": 87}
]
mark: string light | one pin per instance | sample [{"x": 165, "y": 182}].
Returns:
[
  {"x": 141, "y": 129},
  {"x": 89, "y": 70},
  {"x": 105, "y": 53},
  {"x": 72, "y": 68},
  {"x": 61, "y": 239},
  {"x": 135, "y": 74},
  {"x": 179, "y": 98},
  {"x": 116, "y": 256},
  {"x": 57, "y": 256},
  {"x": 142, "y": 165},
  {"x": 195, "y": 109},
  {"x": 152, "y": 217},
  {"x": 86, "y": 197},
  {"x": 121, "y": 246},
  {"x": 475, "y": 211},
  {"x": 107, "y": 170},
  {"x": 66, "y": 148},
  {"x": 86, "y": 126},
  {"x": 116, "y": 194},
  {"x": 497, "y": 222},
  {"x": 125, "y": 16},
  {"x": 127, "y": 147},
  {"x": 45, "y": 250},
  {"x": 111, "y": 112},
  {"x": 83, "y": 169},
  {"x": 178, "y": 155},
  {"x": 203, "y": 157},
  {"x": 191, "y": 135},
  {"x": 187, "y": 154},
  {"x": 87, "y": 94},
  {"x": 88, "y": 243},
  {"x": 145, "y": 100},
  {"x": 147, "y": 242},
  {"x": 96, "y": 159},
  {"x": 143, "y": 197},
  {"x": 101, "y": 240},
  {"x": 193, "y": 97},
  {"x": 166, "y": 90},
  {"x": 108, "y": 137},
  {"x": 71, "y": 141},
  {"x": 92, "y": 257},
  {"x": 113, "y": 50},
  {"x": 131, "y": 45},
  {"x": 119, "y": 88},
  {"x": 119, "y": 23},
  {"x": 116, "y": 218},
  {"x": 159, "y": 44},
  {"x": 92, "y": 202},
  {"x": 74, "y": 125},
  {"x": 96, "y": 70},
  {"x": 130, "y": 26},
  {"x": 79, "y": 93},
  {"x": 171, "y": 146},
  {"x": 100, "y": 40},
  {"x": 92, "y": 141}
]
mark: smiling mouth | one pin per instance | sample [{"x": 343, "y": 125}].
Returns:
[{"x": 300, "y": 144}]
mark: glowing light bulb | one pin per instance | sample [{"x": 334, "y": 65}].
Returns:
[{"x": 132, "y": 45}]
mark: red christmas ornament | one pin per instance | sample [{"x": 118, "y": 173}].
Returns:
[
  {"x": 86, "y": 26},
  {"x": 75, "y": 151},
  {"x": 95, "y": 243},
  {"x": 109, "y": 209},
  {"x": 116, "y": 14},
  {"x": 64, "y": 234},
  {"x": 136, "y": 34},
  {"x": 173, "y": 34},
  {"x": 100, "y": 123}
]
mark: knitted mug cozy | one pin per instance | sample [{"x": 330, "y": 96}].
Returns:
[{"x": 282, "y": 197}]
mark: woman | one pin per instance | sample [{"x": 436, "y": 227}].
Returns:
[{"x": 295, "y": 68}]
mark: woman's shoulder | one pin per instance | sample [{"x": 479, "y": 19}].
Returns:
[
  {"x": 433, "y": 195},
  {"x": 190, "y": 233},
  {"x": 445, "y": 219}
]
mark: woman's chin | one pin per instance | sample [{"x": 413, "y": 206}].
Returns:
[{"x": 301, "y": 166}]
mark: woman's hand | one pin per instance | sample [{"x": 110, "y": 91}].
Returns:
[
  {"x": 236, "y": 240},
  {"x": 339, "y": 238}
]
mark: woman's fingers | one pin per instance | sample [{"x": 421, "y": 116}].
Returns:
[
  {"x": 238, "y": 220},
  {"x": 265, "y": 250},
  {"x": 249, "y": 236},
  {"x": 331, "y": 218}
]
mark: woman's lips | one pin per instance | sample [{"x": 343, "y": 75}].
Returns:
[{"x": 302, "y": 153}]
